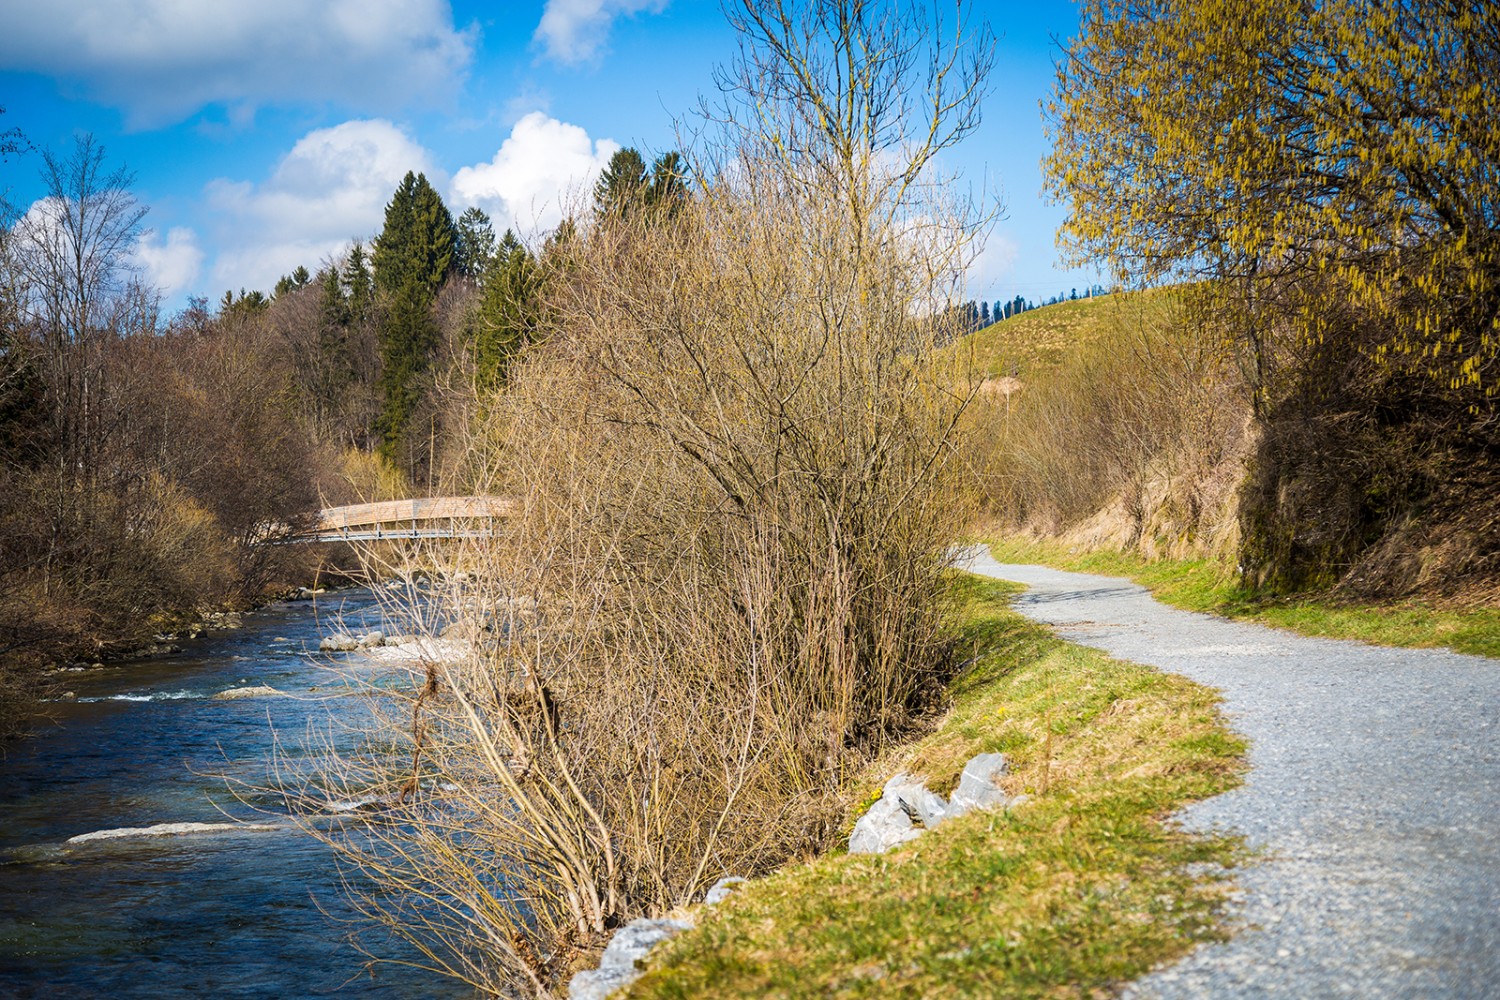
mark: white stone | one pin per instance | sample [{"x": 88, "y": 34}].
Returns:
[
  {"x": 721, "y": 889},
  {"x": 617, "y": 966},
  {"x": 929, "y": 806},
  {"x": 979, "y": 785}
]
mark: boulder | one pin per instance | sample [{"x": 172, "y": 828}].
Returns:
[
  {"x": 339, "y": 643},
  {"x": 907, "y": 806},
  {"x": 721, "y": 889},
  {"x": 617, "y": 966},
  {"x": 371, "y": 639},
  {"x": 884, "y": 826},
  {"x": 255, "y": 691},
  {"x": 979, "y": 785},
  {"x": 926, "y": 808}
]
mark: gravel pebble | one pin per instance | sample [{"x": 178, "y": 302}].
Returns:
[{"x": 1373, "y": 797}]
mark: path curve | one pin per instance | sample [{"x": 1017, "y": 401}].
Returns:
[{"x": 1373, "y": 793}]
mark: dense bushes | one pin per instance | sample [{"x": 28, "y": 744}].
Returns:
[
  {"x": 1128, "y": 431},
  {"x": 1372, "y": 479},
  {"x": 199, "y": 448},
  {"x": 139, "y": 461},
  {"x": 732, "y": 450}
]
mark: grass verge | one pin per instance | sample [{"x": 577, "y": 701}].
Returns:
[
  {"x": 1210, "y": 586},
  {"x": 1082, "y": 887}
]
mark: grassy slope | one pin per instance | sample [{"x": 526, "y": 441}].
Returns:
[
  {"x": 1041, "y": 339},
  {"x": 1204, "y": 585},
  {"x": 1079, "y": 888}
]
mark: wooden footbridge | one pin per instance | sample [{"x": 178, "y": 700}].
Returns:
[{"x": 392, "y": 520}]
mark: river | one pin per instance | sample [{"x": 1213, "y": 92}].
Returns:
[{"x": 229, "y": 911}]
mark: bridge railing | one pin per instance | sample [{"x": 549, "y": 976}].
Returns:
[{"x": 426, "y": 517}]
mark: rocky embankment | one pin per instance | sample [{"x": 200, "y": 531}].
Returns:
[{"x": 906, "y": 810}]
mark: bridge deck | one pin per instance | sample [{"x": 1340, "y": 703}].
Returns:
[{"x": 427, "y": 517}]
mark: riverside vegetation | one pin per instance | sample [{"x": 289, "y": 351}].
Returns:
[{"x": 742, "y": 428}]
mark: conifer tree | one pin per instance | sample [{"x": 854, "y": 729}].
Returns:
[
  {"x": 623, "y": 184},
  {"x": 333, "y": 369},
  {"x": 360, "y": 283},
  {"x": 476, "y": 244},
  {"x": 668, "y": 182},
  {"x": 413, "y": 256},
  {"x": 510, "y": 309}
]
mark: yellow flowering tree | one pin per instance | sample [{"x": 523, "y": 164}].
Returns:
[{"x": 1328, "y": 165}]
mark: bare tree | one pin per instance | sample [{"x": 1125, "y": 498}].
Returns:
[
  {"x": 71, "y": 258},
  {"x": 721, "y": 591}
]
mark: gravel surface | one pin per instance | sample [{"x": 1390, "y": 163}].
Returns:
[{"x": 1373, "y": 798}]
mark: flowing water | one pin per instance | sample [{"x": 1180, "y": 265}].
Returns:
[{"x": 222, "y": 909}]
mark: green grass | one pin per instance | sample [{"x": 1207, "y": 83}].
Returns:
[
  {"x": 1079, "y": 889},
  {"x": 1205, "y": 585},
  {"x": 1044, "y": 338}
]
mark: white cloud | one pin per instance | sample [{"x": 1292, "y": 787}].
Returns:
[
  {"x": 162, "y": 60},
  {"x": 995, "y": 263},
  {"x": 331, "y": 188},
  {"x": 171, "y": 265},
  {"x": 539, "y": 166},
  {"x": 573, "y": 31}
]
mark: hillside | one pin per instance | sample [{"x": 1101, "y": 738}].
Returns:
[
  {"x": 1118, "y": 438},
  {"x": 1043, "y": 338}
]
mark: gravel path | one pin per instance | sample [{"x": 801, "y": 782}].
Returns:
[{"x": 1373, "y": 795}]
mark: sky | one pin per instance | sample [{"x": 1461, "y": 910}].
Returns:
[{"x": 270, "y": 134}]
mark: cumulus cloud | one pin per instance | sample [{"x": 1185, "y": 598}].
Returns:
[
  {"x": 573, "y": 31},
  {"x": 172, "y": 264},
  {"x": 162, "y": 60},
  {"x": 995, "y": 263},
  {"x": 329, "y": 189},
  {"x": 539, "y": 166}
]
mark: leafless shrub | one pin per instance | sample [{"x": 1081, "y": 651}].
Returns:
[
  {"x": 1130, "y": 433},
  {"x": 720, "y": 593}
]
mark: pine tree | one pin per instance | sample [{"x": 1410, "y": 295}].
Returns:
[
  {"x": 393, "y": 247},
  {"x": 668, "y": 185},
  {"x": 623, "y": 185},
  {"x": 476, "y": 244},
  {"x": 413, "y": 256},
  {"x": 510, "y": 309},
  {"x": 360, "y": 283},
  {"x": 333, "y": 369}
]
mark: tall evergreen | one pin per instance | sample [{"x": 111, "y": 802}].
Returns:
[
  {"x": 476, "y": 244},
  {"x": 509, "y": 310},
  {"x": 668, "y": 182},
  {"x": 623, "y": 185},
  {"x": 413, "y": 256},
  {"x": 360, "y": 283}
]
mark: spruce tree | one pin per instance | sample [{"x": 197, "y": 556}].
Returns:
[
  {"x": 510, "y": 309},
  {"x": 334, "y": 369},
  {"x": 413, "y": 256},
  {"x": 668, "y": 188},
  {"x": 360, "y": 283},
  {"x": 476, "y": 244},
  {"x": 623, "y": 185}
]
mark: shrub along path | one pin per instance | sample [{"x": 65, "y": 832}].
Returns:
[{"x": 1373, "y": 797}]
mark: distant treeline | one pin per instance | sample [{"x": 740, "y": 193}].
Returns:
[{"x": 976, "y": 315}]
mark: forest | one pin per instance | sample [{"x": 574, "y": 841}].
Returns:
[{"x": 145, "y": 455}]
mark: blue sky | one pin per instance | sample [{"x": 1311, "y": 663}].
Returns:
[{"x": 268, "y": 134}]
